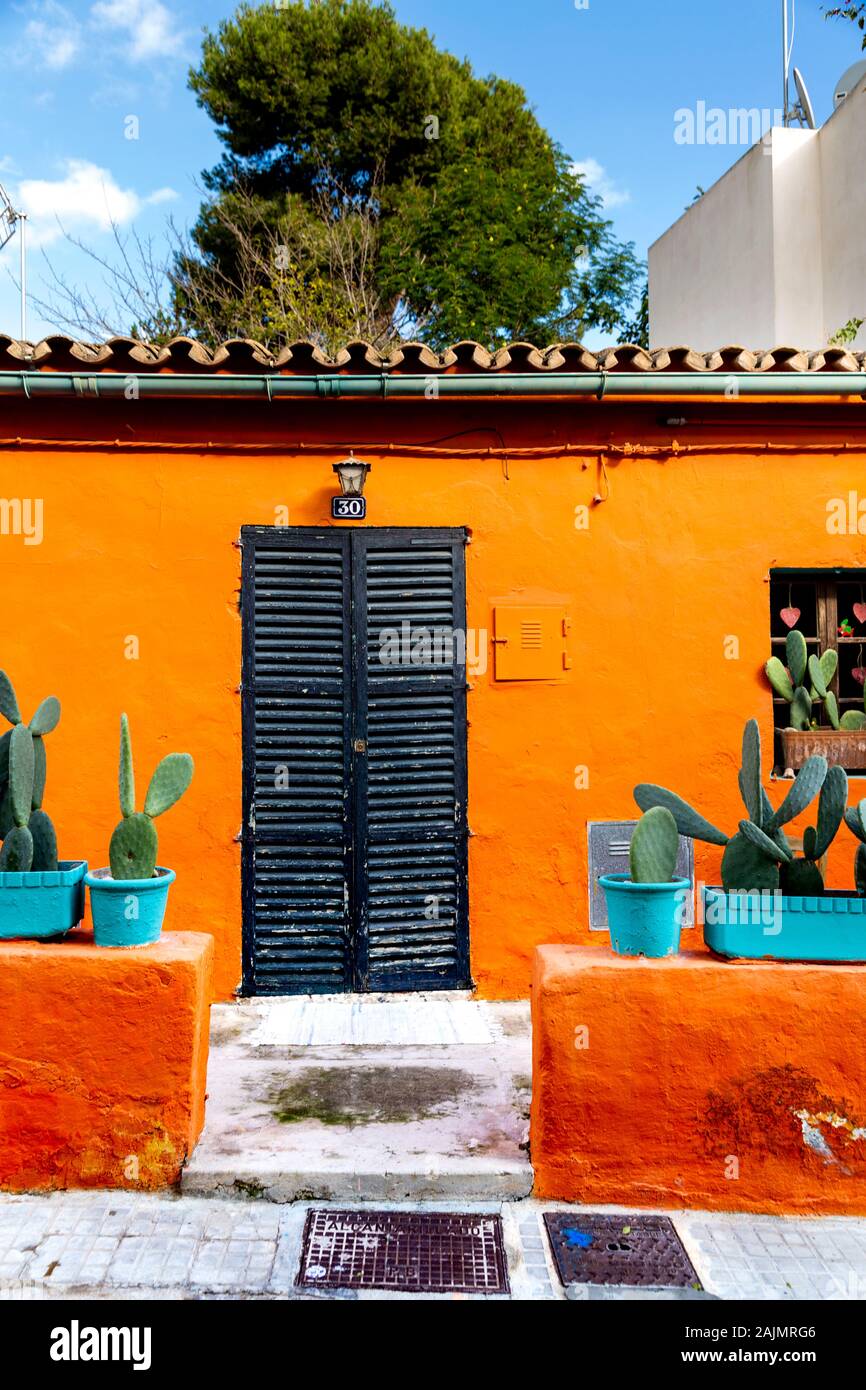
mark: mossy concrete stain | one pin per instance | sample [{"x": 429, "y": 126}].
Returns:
[{"x": 351, "y": 1096}]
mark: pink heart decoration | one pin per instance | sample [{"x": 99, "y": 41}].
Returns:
[
  {"x": 860, "y": 612},
  {"x": 791, "y": 616},
  {"x": 859, "y": 674}
]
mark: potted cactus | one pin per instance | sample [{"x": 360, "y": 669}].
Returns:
[
  {"x": 128, "y": 898},
  {"x": 646, "y": 907},
  {"x": 844, "y": 743},
  {"x": 772, "y": 902},
  {"x": 40, "y": 896}
]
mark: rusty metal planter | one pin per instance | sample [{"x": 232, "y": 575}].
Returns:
[{"x": 846, "y": 747}]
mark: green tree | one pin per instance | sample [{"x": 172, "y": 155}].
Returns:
[
  {"x": 474, "y": 224},
  {"x": 856, "y": 13}
]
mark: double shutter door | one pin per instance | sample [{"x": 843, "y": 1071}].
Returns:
[{"x": 355, "y": 779}]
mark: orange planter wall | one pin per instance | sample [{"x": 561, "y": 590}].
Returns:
[
  {"x": 131, "y": 602},
  {"x": 691, "y": 1082},
  {"x": 103, "y": 1058}
]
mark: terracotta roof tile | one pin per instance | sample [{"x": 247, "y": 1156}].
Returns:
[
  {"x": 570, "y": 357},
  {"x": 732, "y": 359},
  {"x": 679, "y": 359},
  {"x": 245, "y": 356}
]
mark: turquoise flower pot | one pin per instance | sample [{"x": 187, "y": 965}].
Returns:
[
  {"x": 645, "y": 919},
  {"x": 128, "y": 911},
  {"x": 42, "y": 905}
]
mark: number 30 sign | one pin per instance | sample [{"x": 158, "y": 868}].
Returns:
[{"x": 348, "y": 508}]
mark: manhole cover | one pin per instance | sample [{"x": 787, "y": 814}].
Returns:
[
  {"x": 633, "y": 1250},
  {"x": 419, "y": 1252}
]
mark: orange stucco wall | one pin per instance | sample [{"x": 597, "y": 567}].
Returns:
[
  {"x": 140, "y": 542},
  {"x": 103, "y": 1059},
  {"x": 692, "y": 1082}
]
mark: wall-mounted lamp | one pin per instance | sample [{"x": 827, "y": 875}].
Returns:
[{"x": 353, "y": 475}]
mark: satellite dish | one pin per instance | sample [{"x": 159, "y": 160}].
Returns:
[
  {"x": 803, "y": 110},
  {"x": 848, "y": 81}
]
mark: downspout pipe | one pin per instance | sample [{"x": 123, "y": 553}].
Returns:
[{"x": 601, "y": 385}]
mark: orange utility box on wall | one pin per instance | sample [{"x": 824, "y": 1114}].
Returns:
[{"x": 530, "y": 643}]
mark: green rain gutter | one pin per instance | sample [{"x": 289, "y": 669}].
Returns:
[{"x": 601, "y": 385}]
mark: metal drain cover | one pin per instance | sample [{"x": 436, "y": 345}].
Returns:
[
  {"x": 418, "y": 1252},
  {"x": 640, "y": 1251}
]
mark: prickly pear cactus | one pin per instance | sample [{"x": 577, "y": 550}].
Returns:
[
  {"x": 806, "y": 786},
  {"x": 653, "y": 851},
  {"x": 8, "y": 702},
  {"x": 831, "y": 809},
  {"x": 746, "y": 868},
  {"x": 168, "y": 783},
  {"x": 801, "y": 710},
  {"x": 16, "y": 856},
  {"x": 23, "y": 770},
  {"x": 779, "y": 679},
  {"x": 771, "y": 848},
  {"x": 790, "y": 682},
  {"x": 801, "y": 879},
  {"x": 797, "y": 657},
  {"x": 752, "y": 856},
  {"x": 688, "y": 822},
  {"x": 134, "y": 846},
  {"x": 750, "y": 772},
  {"x": 44, "y": 842}
]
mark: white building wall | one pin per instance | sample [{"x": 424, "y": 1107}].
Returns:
[
  {"x": 842, "y": 144},
  {"x": 774, "y": 253}
]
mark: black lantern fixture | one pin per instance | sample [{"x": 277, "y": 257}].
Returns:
[
  {"x": 353, "y": 475},
  {"x": 351, "y": 505}
]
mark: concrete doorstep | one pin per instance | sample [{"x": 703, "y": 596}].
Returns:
[{"x": 393, "y": 1098}]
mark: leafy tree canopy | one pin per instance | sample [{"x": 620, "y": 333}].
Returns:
[
  {"x": 856, "y": 13},
  {"x": 475, "y": 225}
]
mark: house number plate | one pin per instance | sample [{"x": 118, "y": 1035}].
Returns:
[{"x": 348, "y": 508}]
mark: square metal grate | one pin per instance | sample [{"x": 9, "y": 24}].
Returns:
[
  {"x": 417, "y": 1252},
  {"x": 640, "y": 1251}
]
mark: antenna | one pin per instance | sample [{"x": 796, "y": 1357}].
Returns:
[
  {"x": 787, "y": 50},
  {"x": 801, "y": 111},
  {"x": 10, "y": 220}
]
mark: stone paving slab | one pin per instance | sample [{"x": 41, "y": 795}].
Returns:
[
  {"x": 103, "y": 1245},
  {"x": 369, "y": 1020}
]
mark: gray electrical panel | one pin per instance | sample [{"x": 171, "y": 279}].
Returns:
[{"x": 608, "y": 854}]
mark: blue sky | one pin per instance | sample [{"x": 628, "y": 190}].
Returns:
[{"x": 606, "y": 78}]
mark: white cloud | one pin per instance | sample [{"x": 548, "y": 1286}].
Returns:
[
  {"x": 147, "y": 23},
  {"x": 53, "y": 36},
  {"x": 86, "y": 198},
  {"x": 598, "y": 181}
]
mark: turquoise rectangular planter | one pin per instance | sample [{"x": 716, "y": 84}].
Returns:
[
  {"x": 40, "y": 906},
  {"x": 746, "y": 927}
]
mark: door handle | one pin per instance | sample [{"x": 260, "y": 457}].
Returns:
[{"x": 360, "y": 745}]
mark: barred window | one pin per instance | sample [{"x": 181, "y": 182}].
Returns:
[{"x": 824, "y": 606}]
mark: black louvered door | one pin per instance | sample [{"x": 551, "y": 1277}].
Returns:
[{"x": 355, "y": 778}]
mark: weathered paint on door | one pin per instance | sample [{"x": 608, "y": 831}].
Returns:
[{"x": 355, "y": 818}]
